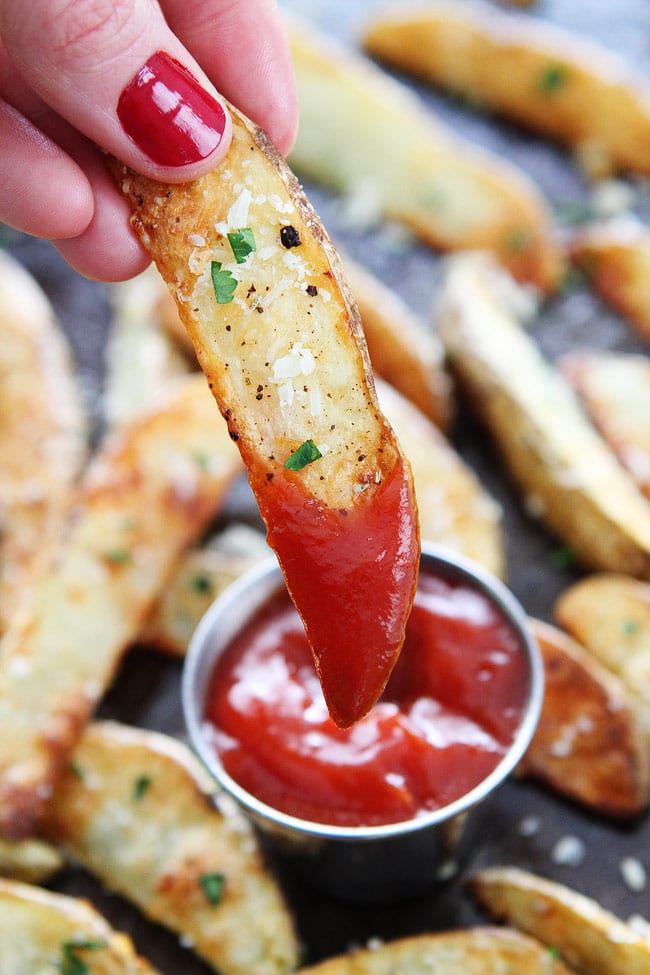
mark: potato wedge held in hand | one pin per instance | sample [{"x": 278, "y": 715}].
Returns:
[
  {"x": 261, "y": 292},
  {"x": 588, "y": 744},
  {"x": 45, "y": 932},
  {"x": 615, "y": 257},
  {"x": 586, "y": 936},
  {"x": 473, "y": 951},
  {"x": 528, "y": 70},
  {"x": 42, "y": 432},
  {"x": 615, "y": 390},
  {"x": 136, "y": 810},
  {"x": 567, "y": 474},
  {"x": 359, "y": 128},
  {"x": 151, "y": 490}
]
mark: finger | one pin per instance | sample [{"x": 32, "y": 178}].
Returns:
[
  {"x": 243, "y": 48},
  {"x": 43, "y": 192},
  {"x": 117, "y": 72}
]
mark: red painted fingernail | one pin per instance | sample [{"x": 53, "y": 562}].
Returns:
[{"x": 168, "y": 115}]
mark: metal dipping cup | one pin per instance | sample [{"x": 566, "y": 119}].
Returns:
[{"x": 370, "y": 864}]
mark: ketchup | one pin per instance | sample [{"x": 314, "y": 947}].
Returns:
[{"x": 446, "y": 718}]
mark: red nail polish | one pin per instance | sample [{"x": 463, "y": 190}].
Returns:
[{"x": 168, "y": 114}]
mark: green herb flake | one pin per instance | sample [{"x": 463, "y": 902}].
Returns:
[
  {"x": 118, "y": 556},
  {"x": 552, "y": 78},
  {"x": 140, "y": 787},
  {"x": 519, "y": 240},
  {"x": 629, "y": 627},
  {"x": 223, "y": 282},
  {"x": 306, "y": 453},
  {"x": 203, "y": 462},
  {"x": 71, "y": 963},
  {"x": 212, "y": 885},
  {"x": 242, "y": 243},
  {"x": 561, "y": 558},
  {"x": 201, "y": 584},
  {"x": 553, "y": 951},
  {"x": 77, "y": 771}
]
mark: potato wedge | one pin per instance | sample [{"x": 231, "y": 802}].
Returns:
[
  {"x": 615, "y": 390},
  {"x": 202, "y": 574},
  {"x": 473, "y": 951},
  {"x": 31, "y": 861},
  {"x": 565, "y": 470},
  {"x": 609, "y": 614},
  {"x": 45, "y": 932},
  {"x": 587, "y": 937},
  {"x": 455, "y": 509},
  {"x": 136, "y": 811},
  {"x": 403, "y": 352},
  {"x": 150, "y": 491},
  {"x": 528, "y": 70},
  {"x": 358, "y": 127},
  {"x": 261, "y": 292},
  {"x": 142, "y": 359},
  {"x": 615, "y": 257},
  {"x": 588, "y": 744},
  {"x": 42, "y": 432}
]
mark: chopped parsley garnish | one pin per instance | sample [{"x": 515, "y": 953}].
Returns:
[
  {"x": 140, "y": 787},
  {"x": 630, "y": 626},
  {"x": 242, "y": 243},
  {"x": 118, "y": 556},
  {"x": 212, "y": 885},
  {"x": 201, "y": 584},
  {"x": 306, "y": 453},
  {"x": 71, "y": 963},
  {"x": 519, "y": 240},
  {"x": 552, "y": 79},
  {"x": 223, "y": 282},
  {"x": 77, "y": 771},
  {"x": 289, "y": 237},
  {"x": 553, "y": 951},
  {"x": 561, "y": 558}
]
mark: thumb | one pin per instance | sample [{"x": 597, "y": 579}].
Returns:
[{"x": 119, "y": 75}]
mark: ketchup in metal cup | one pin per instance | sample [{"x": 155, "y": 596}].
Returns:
[{"x": 451, "y": 709}]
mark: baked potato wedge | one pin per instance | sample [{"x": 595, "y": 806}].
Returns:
[
  {"x": 202, "y": 574},
  {"x": 142, "y": 359},
  {"x": 150, "y": 491},
  {"x": 261, "y": 292},
  {"x": 42, "y": 432},
  {"x": 136, "y": 810},
  {"x": 45, "y": 932},
  {"x": 473, "y": 951},
  {"x": 609, "y": 614},
  {"x": 615, "y": 390},
  {"x": 588, "y": 744},
  {"x": 586, "y": 936},
  {"x": 528, "y": 70},
  {"x": 564, "y": 468},
  {"x": 615, "y": 257},
  {"x": 361, "y": 128},
  {"x": 31, "y": 861}
]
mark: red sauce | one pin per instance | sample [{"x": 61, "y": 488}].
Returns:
[
  {"x": 450, "y": 709},
  {"x": 352, "y": 575}
]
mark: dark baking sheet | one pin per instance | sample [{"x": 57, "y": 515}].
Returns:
[{"x": 146, "y": 691}]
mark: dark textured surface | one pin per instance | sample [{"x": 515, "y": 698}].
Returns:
[{"x": 146, "y": 691}]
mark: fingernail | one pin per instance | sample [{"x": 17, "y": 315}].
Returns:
[{"x": 168, "y": 115}]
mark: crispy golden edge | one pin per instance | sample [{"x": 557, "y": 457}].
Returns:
[
  {"x": 38, "y": 928},
  {"x": 341, "y": 92},
  {"x": 42, "y": 432},
  {"x": 473, "y": 951},
  {"x": 589, "y": 938},
  {"x": 150, "y": 491},
  {"x": 615, "y": 258},
  {"x": 527, "y": 69},
  {"x": 588, "y": 744},
  {"x": 169, "y": 219},
  {"x": 568, "y": 476},
  {"x": 137, "y": 810}
]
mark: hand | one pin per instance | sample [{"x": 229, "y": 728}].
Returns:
[{"x": 124, "y": 75}]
